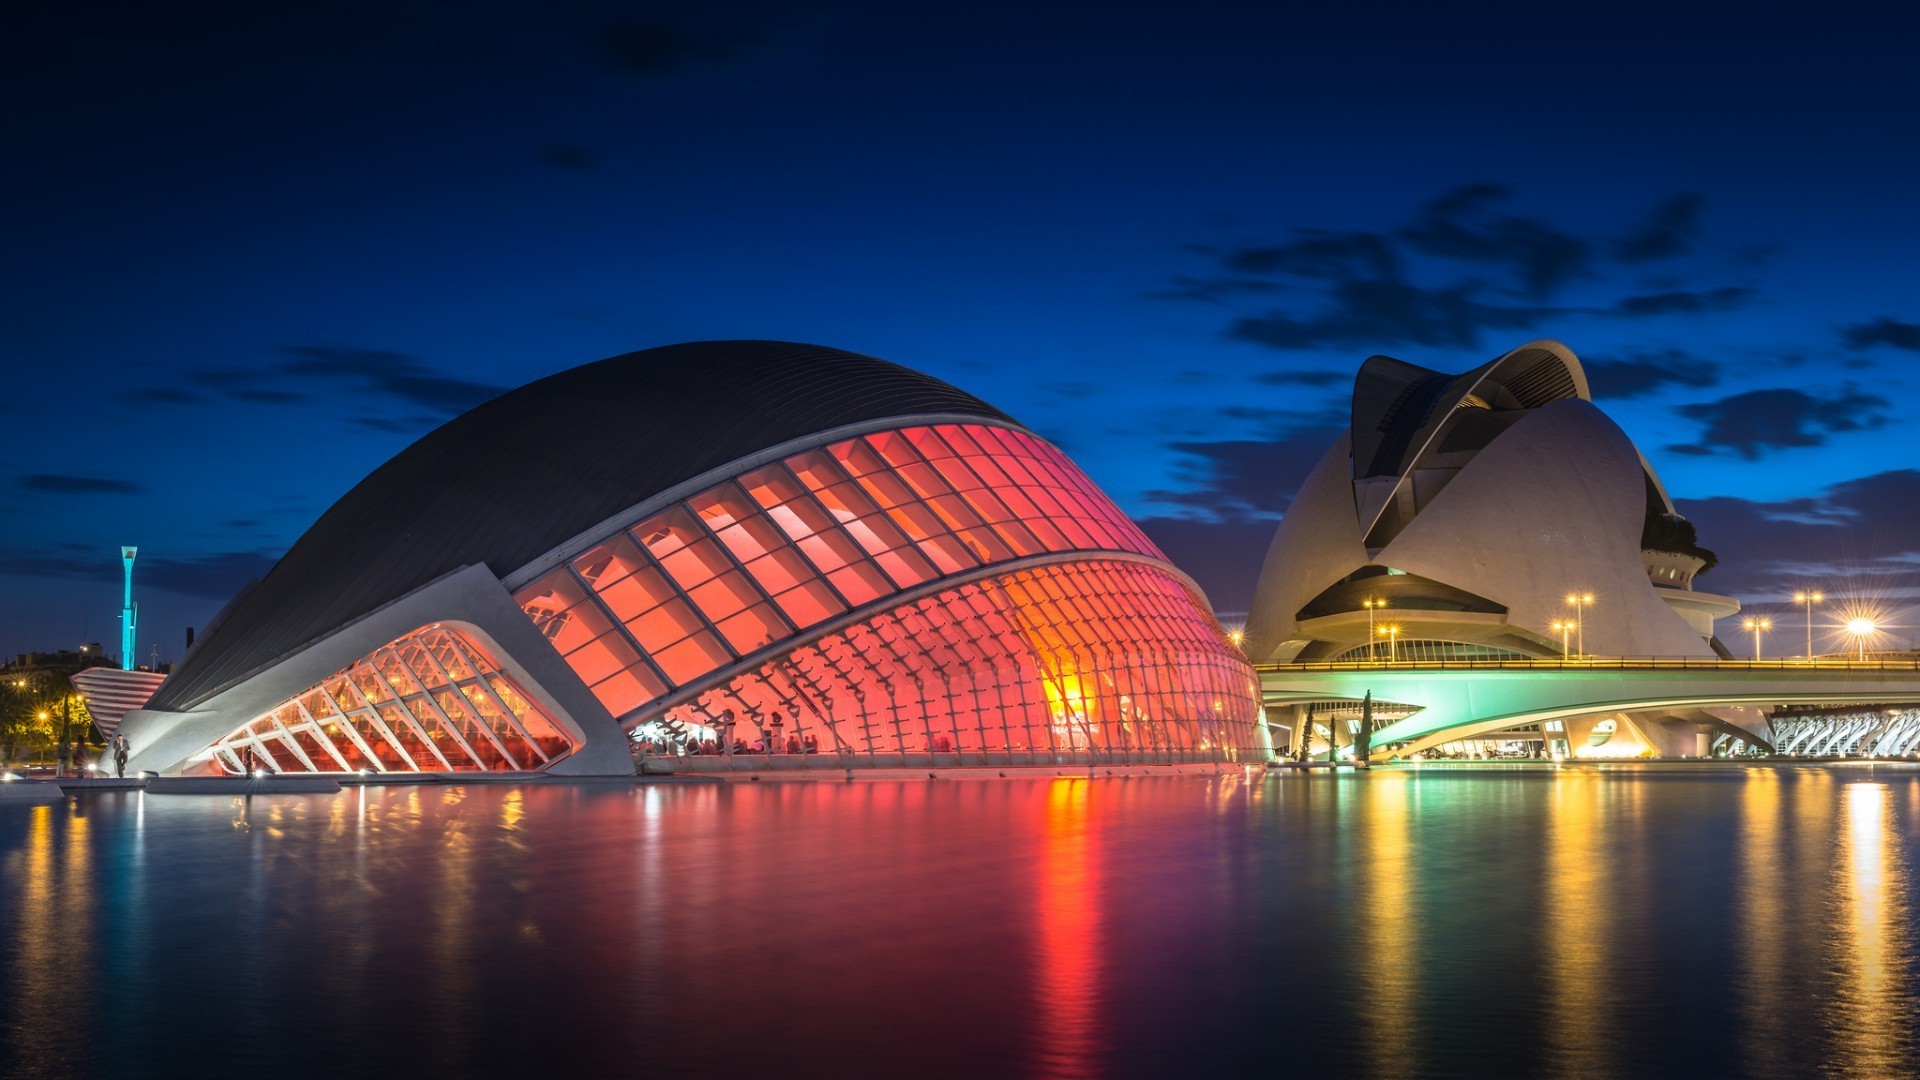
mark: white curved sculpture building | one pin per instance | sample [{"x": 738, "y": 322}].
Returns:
[{"x": 1458, "y": 515}]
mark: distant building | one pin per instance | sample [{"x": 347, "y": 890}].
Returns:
[
  {"x": 738, "y": 554},
  {"x": 1458, "y": 514}
]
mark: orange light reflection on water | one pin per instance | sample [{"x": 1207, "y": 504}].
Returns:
[
  {"x": 1872, "y": 1014},
  {"x": 1068, "y": 989}
]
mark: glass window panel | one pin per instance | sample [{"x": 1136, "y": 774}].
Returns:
[
  {"x": 905, "y": 566},
  {"x": 781, "y": 570},
  {"x": 830, "y": 550},
  {"x": 636, "y": 593},
  {"x": 955, "y": 512},
  {"x": 876, "y": 534},
  {"x": 608, "y": 562},
  {"x": 773, "y": 485},
  {"x": 663, "y": 626},
  {"x": 695, "y": 563},
  {"x": 860, "y": 583},
  {"x": 956, "y": 474},
  {"x": 816, "y": 469},
  {"x": 627, "y": 690},
  {"x": 888, "y": 490},
  {"x": 751, "y": 538},
  {"x": 986, "y": 545},
  {"x": 1019, "y": 539},
  {"x": 858, "y": 458},
  {"x": 959, "y": 438},
  {"x": 554, "y": 605},
  {"x": 753, "y": 628},
  {"x": 721, "y": 506},
  {"x": 917, "y": 521},
  {"x": 893, "y": 448},
  {"x": 923, "y": 480},
  {"x": 810, "y": 603},
  {"x": 801, "y": 517},
  {"x": 928, "y": 442},
  {"x": 1051, "y": 536},
  {"x": 947, "y": 554},
  {"x": 723, "y": 596},
  {"x": 668, "y": 532},
  {"x": 691, "y": 658},
  {"x": 601, "y": 657},
  {"x": 846, "y": 501}
]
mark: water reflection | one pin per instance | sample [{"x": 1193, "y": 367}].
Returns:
[
  {"x": 1763, "y": 926},
  {"x": 1872, "y": 1014},
  {"x": 1579, "y": 926},
  {"x": 1068, "y": 968},
  {"x": 50, "y": 983},
  {"x": 1386, "y": 928}
]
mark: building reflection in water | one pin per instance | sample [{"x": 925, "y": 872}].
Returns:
[
  {"x": 49, "y": 897},
  {"x": 1762, "y": 924},
  {"x": 1579, "y": 925},
  {"x": 1872, "y": 1014},
  {"x": 1069, "y": 961}
]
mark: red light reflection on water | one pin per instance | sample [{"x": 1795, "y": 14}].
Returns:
[{"x": 1068, "y": 975}]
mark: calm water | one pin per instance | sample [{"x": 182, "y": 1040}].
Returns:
[{"x": 1585, "y": 922}]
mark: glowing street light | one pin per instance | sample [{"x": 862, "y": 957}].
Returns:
[
  {"x": 1393, "y": 635},
  {"x": 1371, "y": 605},
  {"x": 1861, "y": 630},
  {"x": 1579, "y": 602},
  {"x": 1807, "y": 600},
  {"x": 1564, "y": 627},
  {"x": 1758, "y": 626}
]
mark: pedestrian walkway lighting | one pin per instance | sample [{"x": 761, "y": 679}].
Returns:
[
  {"x": 1393, "y": 634},
  {"x": 1758, "y": 626},
  {"x": 1860, "y": 630},
  {"x": 1371, "y": 605},
  {"x": 1807, "y": 600}
]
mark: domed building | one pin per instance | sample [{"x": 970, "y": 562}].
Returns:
[
  {"x": 1496, "y": 513},
  {"x": 740, "y": 555}
]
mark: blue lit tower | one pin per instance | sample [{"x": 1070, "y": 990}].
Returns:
[{"x": 129, "y": 615}]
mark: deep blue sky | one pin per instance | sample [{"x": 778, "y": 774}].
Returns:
[{"x": 255, "y": 249}]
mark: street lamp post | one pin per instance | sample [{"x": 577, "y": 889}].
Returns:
[
  {"x": 1807, "y": 600},
  {"x": 1579, "y": 602},
  {"x": 1758, "y": 626},
  {"x": 1565, "y": 627},
  {"x": 1371, "y": 605},
  {"x": 1393, "y": 636}
]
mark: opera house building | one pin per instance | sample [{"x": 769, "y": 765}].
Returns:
[
  {"x": 1491, "y": 515},
  {"x": 737, "y": 555}
]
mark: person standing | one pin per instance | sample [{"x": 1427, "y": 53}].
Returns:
[{"x": 120, "y": 755}]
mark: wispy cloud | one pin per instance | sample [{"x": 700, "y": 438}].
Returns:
[{"x": 61, "y": 484}]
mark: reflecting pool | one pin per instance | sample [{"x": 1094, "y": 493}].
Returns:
[{"x": 1421, "y": 921}]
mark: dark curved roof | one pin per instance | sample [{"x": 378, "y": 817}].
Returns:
[{"x": 514, "y": 478}]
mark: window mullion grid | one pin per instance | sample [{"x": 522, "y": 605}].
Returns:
[
  {"x": 480, "y": 679},
  {"x": 320, "y": 735},
  {"x": 840, "y": 529},
  {"x": 755, "y": 510},
  {"x": 453, "y": 685},
  {"x": 372, "y": 716},
  {"x": 400, "y": 706},
  {"x": 285, "y": 736},
  {"x": 440, "y": 715}
]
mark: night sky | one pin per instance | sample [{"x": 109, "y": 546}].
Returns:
[{"x": 253, "y": 250}]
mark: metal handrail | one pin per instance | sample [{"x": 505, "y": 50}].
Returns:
[{"x": 1598, "y": 663}]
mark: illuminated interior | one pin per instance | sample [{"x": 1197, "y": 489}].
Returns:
[
  {"x": 1102, "y": 659},
  {"x": 761, "y": 558},
  {"x": 430, "y": 702}
]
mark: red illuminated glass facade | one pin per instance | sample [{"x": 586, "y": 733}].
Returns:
[
  {"x": 1100, "y": 659},
  {"x": 430, "y": 702},
  {"x": 682, "y": 618}
]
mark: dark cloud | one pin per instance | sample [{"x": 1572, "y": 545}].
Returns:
[
  {"x": 371, "y": 373},
  {"x": 1304, "y": 378},
  {"x": 59, "y": 484},
  {"x": 1370, "y": 314},
  {"x": 209, "y": 576},
  {"x": 1222, "y": 557},
  {"x": 1854, "y": 538},
  {"x": 1667, "y": 232},
  {"x": 1882, "y": 331},
  {"x": 647, "y": 49},
  {"x": 1640, "y": 373},
  {"x": 569, "y": 156},
  {"x": 1761, "y": 420},
  {"x": 1234, "y": 479},
  {"x": 1464, "y": 266},
  {"x": 1466, "y": 225},
  {"x": 1725, "y": 298}
]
